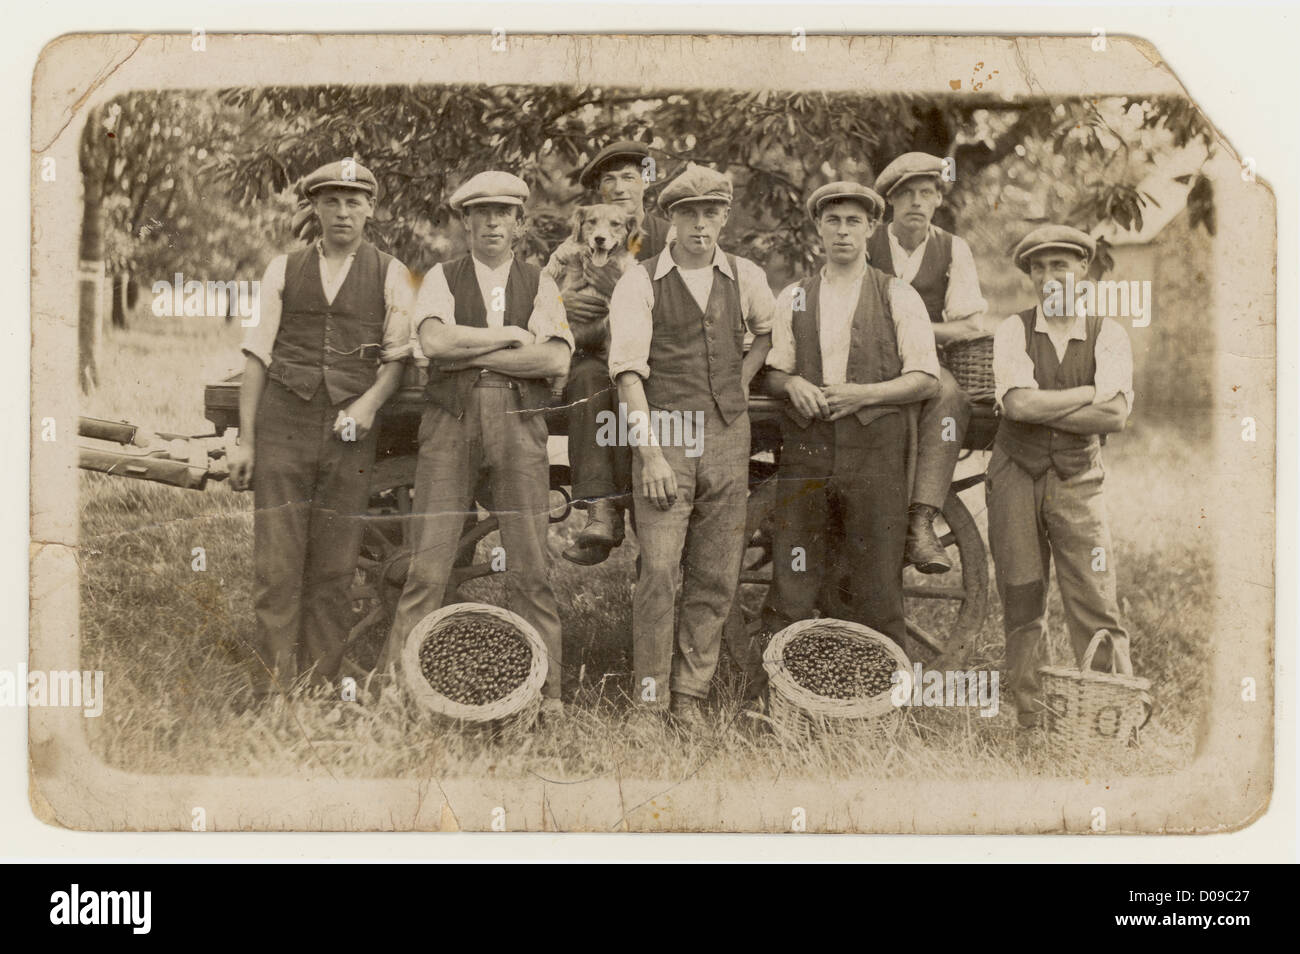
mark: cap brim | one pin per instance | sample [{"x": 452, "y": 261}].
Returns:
[
  {"x": 589, "y": 175},
  {"x": 341, "y": 184},
  {"x": 935, "y": 174},
  {"x": 697, "y": 198},
  {"x": 493, "y": 200},
  {"x": 1022, "y": 258},
  {"x": 858, "y": 197}
]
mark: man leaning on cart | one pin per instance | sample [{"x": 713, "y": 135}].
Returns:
[
  {"x": 493, "y": 330},
  {"x": 326, "y": 354}
]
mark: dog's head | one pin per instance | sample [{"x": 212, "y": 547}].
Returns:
[{"x": 603, "y": 229}]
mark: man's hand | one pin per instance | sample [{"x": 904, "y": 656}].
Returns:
[
  {"x": 842, "y": 399},
  {"x": 584, "y": 306},
  {"x": 807, "y": 398},
  {"x": 240, "y": 461},
  {"x": 603, "y": 278},
  {"x": 517, "y": 337},
  {"x": 362, "y": 415},
  {"x": 658, "y": 482}
]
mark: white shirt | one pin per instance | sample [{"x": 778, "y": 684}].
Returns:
[
  {"x": 399, "y": 287},
  {"x": 963, "y": 299},
  {"x": 631, "y": 307},
  {"x": 435, "y": 300},
  {"x": 1013, "y": 368},
  {"x": 836, "y": 303}
]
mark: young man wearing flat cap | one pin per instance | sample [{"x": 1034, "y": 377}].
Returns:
[
  {"x": 677, "y": 333},
  {"x": 327, "y": 353},
  {"x": 603, "y": 474},
  {"x": 492, "y": 330},
  {"x": 851, "y": 347},
  {"x": 940, "y": 266},
  {"x": 1062, "y": 381}
]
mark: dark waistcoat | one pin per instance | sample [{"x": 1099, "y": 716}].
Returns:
[{"x": 931, "y": 279}]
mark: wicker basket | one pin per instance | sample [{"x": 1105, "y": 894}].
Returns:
[
  {"x": 1092, "y": 713},
  {"x": 971, "y": 363},
  {"x": 515, "y": 712},
  {"x": 799, "y": 713}
]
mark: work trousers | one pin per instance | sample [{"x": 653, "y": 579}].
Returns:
[
  {"x": 597, "y": 471},
  {"x": 702, "y": 538},
  {"x": 936, "y": 458},
  {"x": 492, "y": 442},
  {"x": 310, "y": 493},
  {"x": 1031, "y": 521},
  {"x": 860, "y": 473}
]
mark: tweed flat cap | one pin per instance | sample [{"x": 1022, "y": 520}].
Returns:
[
  {"x": 623, "y": 149},
  {"x": 502, "y": 188},
  {"x": 909, "y": 165},
  {"x": 844, "y": 190},
  {"x": 696, "y": 184},
  {"x": 1052, "y": 236},
  {"x": 345, "y": 174}
]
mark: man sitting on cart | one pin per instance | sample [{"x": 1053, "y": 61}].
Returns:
[
  {"x": 327, "y": 353},
  {"x": 939, "y": 265},
  {"x": 602, "y": 474},
  {"x": 492, "y": 328},
  {"x": 1062, "y": 379},
  {"x": 851, "y": 346}
]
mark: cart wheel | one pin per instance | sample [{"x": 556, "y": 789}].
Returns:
[
  {"x": 945, "y": 612},
  {"x": 380, "y": 576}
]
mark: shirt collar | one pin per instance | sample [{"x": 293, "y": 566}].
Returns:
[
  {"x": 862, "y": 273},
  {"x": 503, "y": 267},
  {"x": 665, "y": 264},
  {"x": 1078, "y": 328},
  {"x": 320, "y": 250},
  {"x": 897, "y": 246}
]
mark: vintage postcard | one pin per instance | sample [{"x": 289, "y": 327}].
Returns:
[{"x": 646, "y": 433}]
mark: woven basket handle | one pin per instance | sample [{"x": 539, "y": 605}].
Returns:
[{"x": 1120, "y": 663}]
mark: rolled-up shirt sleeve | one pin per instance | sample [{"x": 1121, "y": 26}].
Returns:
[
  {"x": 259, "y": 339},
  {"x": 912, "y": 328},
  {"x": 782, "y": 355},
  {"x": 631, "y": 324},
  {"x": 548, "y": 319},
  {"x": 756, "y": 298},
  {"x": 963, "y": 299},
  {"x": 1012, "y": 366},
  {"x": 399, "y": 298},
  {"x": 434, "y": 300},
  {"x": 1114, "y": 358}
]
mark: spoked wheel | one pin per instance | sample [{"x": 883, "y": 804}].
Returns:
[
  {"x": 946, "y": 611},
  {"x": 377, "y": 584}
]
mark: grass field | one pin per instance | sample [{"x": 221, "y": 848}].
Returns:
[{"x": 170, "y": 639}]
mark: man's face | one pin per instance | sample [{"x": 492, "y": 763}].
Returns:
[
  {"x": 698, "y": 224},
  {"x": 342, "y": 213},
  {"x": 620, "y": 184},
  {"x": 915, "y": 202},
  {"x": 1053, "y": 265},
  {"x": 844, "y": 228},
  {"x": 492, "y": 227}
]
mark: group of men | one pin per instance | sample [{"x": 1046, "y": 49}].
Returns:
[{"x": 851, "y": 349}]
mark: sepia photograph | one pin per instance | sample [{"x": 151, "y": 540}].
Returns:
[{"x": 600, "y": 434}]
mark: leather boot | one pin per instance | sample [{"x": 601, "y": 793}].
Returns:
[
  {"x": 604, "y": 525},
  {"x": 687, "y": 713},
  {"x": 924, "y": 551}
]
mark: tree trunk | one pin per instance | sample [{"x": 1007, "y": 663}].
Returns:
[
  {"x": 90, "y": 289},
  {"x": 120, "y": 285}
]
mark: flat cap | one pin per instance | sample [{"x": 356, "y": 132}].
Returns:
[
  {"x": 628, "y": 149},
  {"x": 346, "y": 174},
  {"x": 845, "y": 190},
  {"x": 502, "y": 188},
  {"x": 1052, "y": 236},
  {"x": 909, "y": 165},
  {"x": 696, "y": 184}
]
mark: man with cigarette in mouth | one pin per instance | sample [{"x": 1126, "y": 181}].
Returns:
[
  {"x": 329, "y": 350},
  {"x": 939, "y": 265},
  {"x": 677, "y": 330}
]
